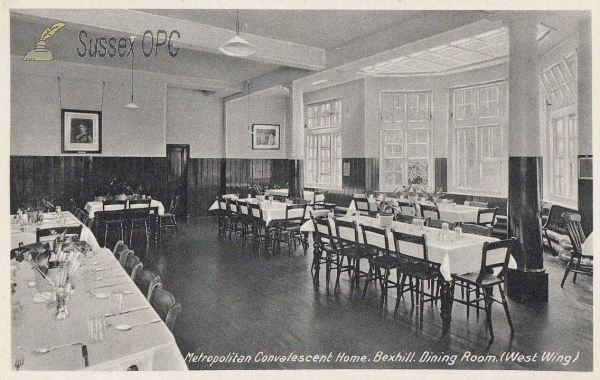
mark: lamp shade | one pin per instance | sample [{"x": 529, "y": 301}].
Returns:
[
  {"x": 237, "y": 47},
  {"x": 131, "y": 105}
]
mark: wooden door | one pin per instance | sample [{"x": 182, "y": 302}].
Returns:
[{"x": 177, "y": 162}]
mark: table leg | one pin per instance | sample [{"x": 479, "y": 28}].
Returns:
[{"x": 446, "y": 307}]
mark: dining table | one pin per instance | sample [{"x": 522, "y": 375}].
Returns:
[
  {"x": 272, "y": 210},
  {"x": 449, "y": 211},
  {"x": 454, "y": 254},
  {"x": 94, "y": 206},
  {"x": 46, "y": 343}
]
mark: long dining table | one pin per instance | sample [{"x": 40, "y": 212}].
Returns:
[
  {"x": 449, "y": 211},
  {"x": 455, "y": 255},
  {"x": 272, "y": 210},
  {"x": 34, "y": 326}
]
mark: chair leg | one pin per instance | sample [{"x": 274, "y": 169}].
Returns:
[
  {"x": 422, "y": 303},
  {"x": 367, "y": 280},
  {"x": 505, "y": 304},
  {"x": 488, "y": 310},
  {"x": 565, "y": 275},
  {"x": 339, "y": 264},
  {"x": 384, "y": 288}
]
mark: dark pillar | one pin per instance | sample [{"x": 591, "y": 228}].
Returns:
[
  {"x": 530, "y": 282},
  {"x": 585, "y": 186}
]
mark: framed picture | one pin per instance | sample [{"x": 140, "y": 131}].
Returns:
[
  {"x": 265, "y": 136},
  {"x": 81, "y": 131}
]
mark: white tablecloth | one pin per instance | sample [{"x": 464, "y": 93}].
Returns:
[
  {"x": 94, "y": 206},
  {"x": 28, "y": 236},
  {"x": 150, "y": 347},
  {"x": 458, "y": 256},
  {"x": 450, "y": 212},
  {"x": 272, "y": 210},
  {"x": 279, "y": 192}
]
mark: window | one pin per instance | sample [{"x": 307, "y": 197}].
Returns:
[
  {"x": 478, "y": 119},
  {"x": 560, "y": 94},
  {"x": 324, "y": 145},
  {"x": 405, "y": 139}
]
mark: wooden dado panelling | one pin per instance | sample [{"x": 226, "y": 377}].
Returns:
[
  {"x": 204, "y": 184},
  {"x": 81, "y": 178},
  {"x": 239, "y": 174}
]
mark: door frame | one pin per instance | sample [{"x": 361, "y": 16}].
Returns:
[{"x": 184, "y": 175}]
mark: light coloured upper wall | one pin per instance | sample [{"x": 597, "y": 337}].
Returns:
[
  {"x": 197, "y": 120},
  {"x": 353, "y": 113},
  {"x": 36, "y": 108},
  {"x": 267, "y": 107},
  {"x": 439, "y": 86}
]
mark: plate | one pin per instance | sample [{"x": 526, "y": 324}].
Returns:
[
  {"x": 102, "y": 295},
  {"x": 42, "y": 297}
]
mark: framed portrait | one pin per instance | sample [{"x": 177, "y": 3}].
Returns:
[
  {"x": 265, "y": 136},
  {"x": 81, "y": 131}
]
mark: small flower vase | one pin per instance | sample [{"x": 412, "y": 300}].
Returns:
[
  {"x": 412, "y": 198},
  {"x": 434, "y": 198},
  {"x": 61, "y": 303}
]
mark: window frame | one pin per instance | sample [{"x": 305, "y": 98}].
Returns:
[
  {"x": 329, "y": 125},
  {"x": 461, "y": 179},
  {"x": 405, "y": 159}
]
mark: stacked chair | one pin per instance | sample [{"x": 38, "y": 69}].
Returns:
[{"x": 148, "y": 282}]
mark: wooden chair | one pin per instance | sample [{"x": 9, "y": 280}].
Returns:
[
  {"x": 168, "y": 219},
  {"x": 407, "y": 208},
  {"x": 348, "y": 246},
  {"x": 246, "y": 220},
  {"x": 49, "y": 234},
  {"x": 261, "y": 233},
  {"x": 362, "y": 204},
  {"x": 579, "y": 263},
  {"x": 223, "y": 221},
  {"x": 428, "y": 211},
  {"x": 380, "y": 258},
  {"x": 404, "y": 218},
  {"x": 476, "y": 229},
  {"x": 234, "y": 218},
  {"x": 133, "y": 265},
  {"x": 137, "y": 216},
  {"x": 165, "y": 306},
  {"x": 120, "y": 247},
  {"x": 112, "y": 218},
  {"x": 487, "y": 216},
  {"x": 485, "y": 280},
  {"x": 324, "y": 250},
  {"x": 124, "y": 256},
  {"x": 288, "y": 230},
  {"x": 147, "y": 281},
  {"x": 437, "y": 223},
  {"x": 418, "y": 269}
]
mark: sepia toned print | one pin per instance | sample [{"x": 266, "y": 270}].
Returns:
[{"x": 327, "y": 187}]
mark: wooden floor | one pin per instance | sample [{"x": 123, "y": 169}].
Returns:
[{"x": 237, "y": 303}]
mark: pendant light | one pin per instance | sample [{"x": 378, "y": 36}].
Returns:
[
  {"x": 132, "y": 105},
  {"x": 237, "y": 46}
]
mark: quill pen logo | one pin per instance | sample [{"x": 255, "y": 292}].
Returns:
[{"x": 41, "y": 53}]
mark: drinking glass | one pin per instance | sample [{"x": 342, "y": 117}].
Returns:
[
  {"x": 116, "y": 301},
  {"x": 445, "y": 227},
  {"x": 459, "y": 232},
  {"x": 89, "y": 280},
  {"x": 97, "y": 327},
  {"x": 58, "y": 209}
]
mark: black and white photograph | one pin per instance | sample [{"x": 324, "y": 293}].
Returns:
[
  {"x": 332, "y": 189},
  {"x": 82, "y": 131},
  {"x": 265, "y": 136}
]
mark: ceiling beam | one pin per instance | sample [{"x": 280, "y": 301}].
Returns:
[{"x": 193, "y": 36}]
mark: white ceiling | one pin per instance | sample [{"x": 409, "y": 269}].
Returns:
[{"x": 299, "y": 42}]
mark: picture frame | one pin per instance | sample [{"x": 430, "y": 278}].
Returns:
[
  {"x": 266, "y": 136},
  {"x": 81, "y": 131}
]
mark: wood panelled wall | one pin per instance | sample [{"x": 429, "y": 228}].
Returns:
[{"x": 81, "y": 178}]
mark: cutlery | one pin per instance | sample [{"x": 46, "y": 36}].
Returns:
[
  {"x": 107, "y": 286},
  {"x": 129, "y": 327},
  {"x": 101, "y": 269},
  {"x": 127, "y": 311},
  {"x": 46, "y": 350},
  {"x": 19, "y": 361}
]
